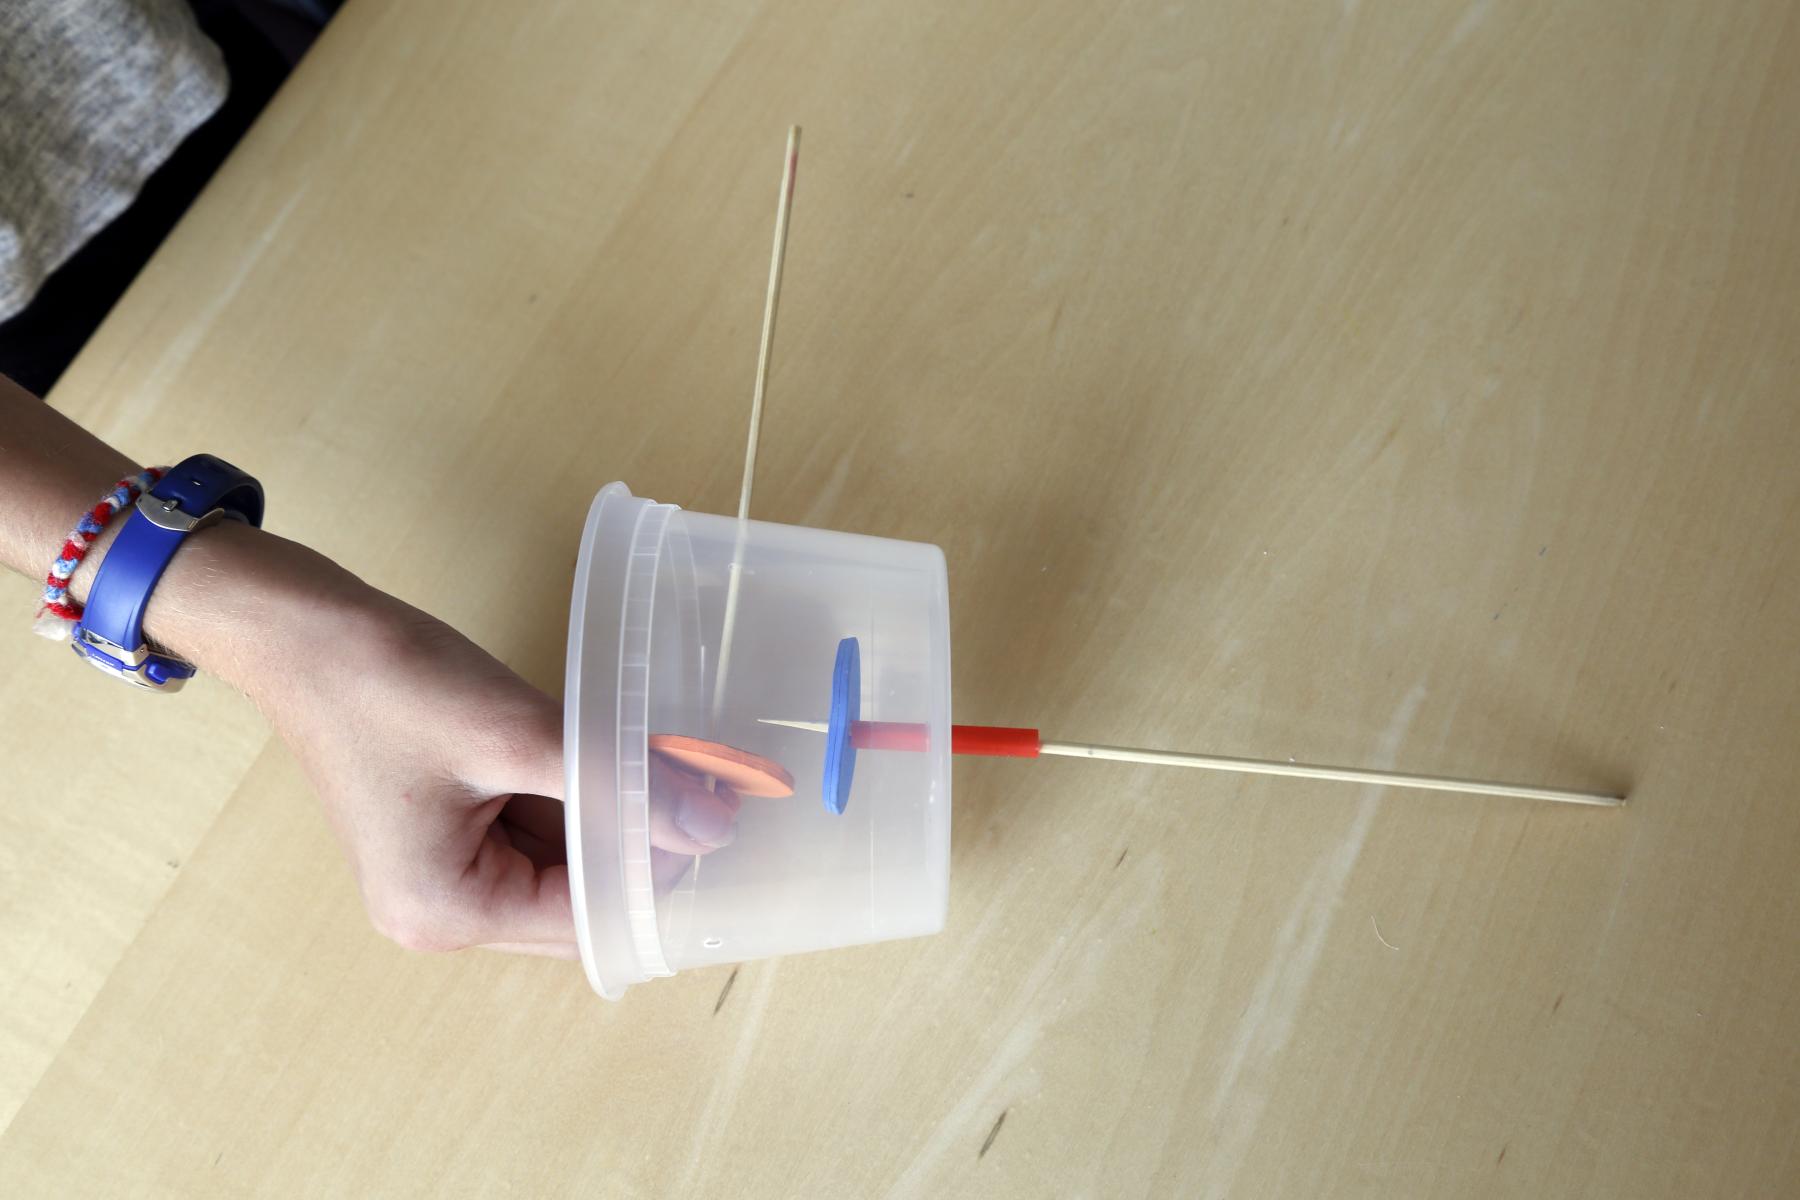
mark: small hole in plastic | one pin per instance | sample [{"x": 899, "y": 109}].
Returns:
[{"x": 713, "y": 943}]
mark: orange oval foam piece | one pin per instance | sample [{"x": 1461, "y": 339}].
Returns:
[{"x": 745, "y": 773}]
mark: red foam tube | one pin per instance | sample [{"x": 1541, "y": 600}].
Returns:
[{"x": 994, "y": 741}]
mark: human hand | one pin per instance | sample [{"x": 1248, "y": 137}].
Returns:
[{"x": 440, "y": 769}]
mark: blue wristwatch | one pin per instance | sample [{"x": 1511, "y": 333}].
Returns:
[{"x": 195, "y": 493}]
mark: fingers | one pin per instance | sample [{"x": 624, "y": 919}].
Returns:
[
  {"x": 534, "y": 824},
  {"x": 499, "y": 897},
  {"x": 515, "y": 745},
  {"x": 685, "y": 816},
  {"x": 508, "y": 899},
  {"x": 486, "y": 864}
]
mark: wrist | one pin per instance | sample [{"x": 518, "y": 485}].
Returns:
[{"x": 254, "y": 609}]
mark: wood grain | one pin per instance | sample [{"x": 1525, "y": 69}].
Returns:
[{"x": 1403, "y": 385}]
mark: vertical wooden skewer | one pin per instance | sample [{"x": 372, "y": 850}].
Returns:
[
  {"x": 770, "y": 302},
  {"x": 783, "y": 205}
]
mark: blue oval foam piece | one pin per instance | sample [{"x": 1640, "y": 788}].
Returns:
[{"x": 846, "y": 710}]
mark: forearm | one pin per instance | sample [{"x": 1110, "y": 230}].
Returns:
[
  {"x": 51, "y": 470},
  {"x": 236, "y": 601}
]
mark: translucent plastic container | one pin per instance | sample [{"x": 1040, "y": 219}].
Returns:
[{"x": 652, "y": 586}]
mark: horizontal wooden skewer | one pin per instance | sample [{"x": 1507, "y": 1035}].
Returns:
[{"x": 1026, "y": 743}]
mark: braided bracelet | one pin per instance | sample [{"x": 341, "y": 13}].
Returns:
[{"x": 57, "y": 616}]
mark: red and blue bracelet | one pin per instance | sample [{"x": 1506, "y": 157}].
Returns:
[{"x": 59, "y": 613}]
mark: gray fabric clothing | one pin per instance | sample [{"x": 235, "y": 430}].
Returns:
[{"x": 94, "y": 96}]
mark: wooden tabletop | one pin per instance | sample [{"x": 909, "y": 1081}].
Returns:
[{"x": 1396, "y": 385}]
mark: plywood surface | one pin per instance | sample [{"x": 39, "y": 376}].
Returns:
[{"x": 1397, "y": 385}]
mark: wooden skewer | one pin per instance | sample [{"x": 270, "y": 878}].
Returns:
[
  {"x": 1260, "y": 766},
  {"x": 1025, "y": 743},
  {"x": 771, "y": 300}
]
